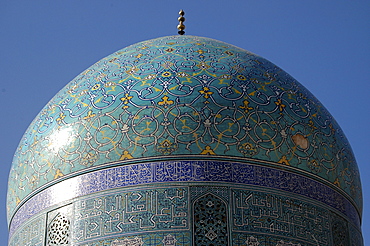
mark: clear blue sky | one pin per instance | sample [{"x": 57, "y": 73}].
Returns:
[{"x": 323, "y": 44}]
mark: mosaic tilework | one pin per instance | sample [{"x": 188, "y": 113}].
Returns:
[
  {"x": 181, "y": 171},
  {"x": 181, "y": 95},
  {"x": 126, "y": 212},
  {"x": 173, "y": 238},
  {"x": 264, "y": 213},
  {"x": 271, "y": 219},
  {"x": 241, "y": 239},
  {"x": 31, "y": 233},
  {"x": 193, "y": 214},
  {"x": 356, "y": 237},
  {"x": 282, "y": 219}
]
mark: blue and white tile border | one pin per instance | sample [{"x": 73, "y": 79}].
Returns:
[{"x": 183, "y": 171}]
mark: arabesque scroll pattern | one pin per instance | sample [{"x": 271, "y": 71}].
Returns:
[{"x": 181, "y": 95}]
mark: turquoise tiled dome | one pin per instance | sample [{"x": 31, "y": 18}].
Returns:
[{"x": 178, "y": 98}]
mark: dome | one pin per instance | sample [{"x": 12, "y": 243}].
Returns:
[{"x": 183, "y": 98}]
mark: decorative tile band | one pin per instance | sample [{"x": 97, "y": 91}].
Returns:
[
  {"x": 189, "y": 214},
  {"x": 131, "y": 211},
  {"x": 183, "y": 171}
]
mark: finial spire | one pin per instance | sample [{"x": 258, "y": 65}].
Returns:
[{"x": 181, "y": 25}]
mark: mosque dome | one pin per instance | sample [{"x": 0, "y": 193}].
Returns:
[{"x": 209, "y": 110}]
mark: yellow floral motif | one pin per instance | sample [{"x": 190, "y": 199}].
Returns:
[
  {"x": 126, "y": 155},
  {"x": 58, "y": 174},
  {"x": 33, "y": 180},
  {"x": 315, "y": 163},
  {"x": 248, "y": 149},
  {"x": 132, "y": 70},
  {"x": 280, "y": 104},
  {"x": 95, "y": 87},
  {"x": 332, "y": 128},
  {"x": 208, "y": 151},
  {"x": 166, "y": 74},
  {"x": 60, "y": 118},
  {"x": 139, "y": 55},
  {"x": 88, "y": 159},
  {"x": 283, "y": 160},
  {"x": 166, "y": 147},
  {"x": 245, "y": 106},
  {"x": 206, "y": 93},
  {"x": 241, "y": 77},
  {"x": 314, "y": 166},
  {"x": 336, "y": 182},
  {"x": 229, "y": 53},
  {"x": 312, "y": 125},
  {"x": 169, "y": 49},
  {"x": 89, "y": 115},
  {"x": 166, "y": 143},
  {"x": 203, "y": 65},
  {"x": 200, "y": 51},
  {"x": 165, "y": 102},
  {"x": 17, "y": 200},
  {"x": 126, "y": 98}
]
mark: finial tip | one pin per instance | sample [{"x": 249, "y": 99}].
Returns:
[{"x": 181, "y": 26}]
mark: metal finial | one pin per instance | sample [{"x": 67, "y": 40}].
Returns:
[{"x": 181, "y": 25}]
